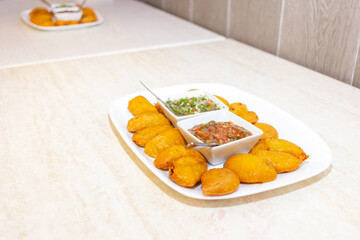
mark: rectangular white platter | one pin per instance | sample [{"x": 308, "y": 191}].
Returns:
[
  {"x": 287, "y": 126},
  {"x": 26, "y": 19}
]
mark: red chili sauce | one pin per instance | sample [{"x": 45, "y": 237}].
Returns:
[{"x": 219, "y": 132}]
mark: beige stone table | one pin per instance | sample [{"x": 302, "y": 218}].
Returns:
[
  {"x": 65, "y": 173},
  {"x": 129, "y": 25}
]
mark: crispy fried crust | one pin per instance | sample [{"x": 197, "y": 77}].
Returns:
[
  {"x": 280, "y": 145},
  {"x": 187, "y": 171},
  {"x": 269, "y": 131},
  {"x": 145, "y": 120},
  {"x": 139, "y": 105},
  {"x": 164, "y": 140},
  {"x": 165, "y": 158},
  {"x": 251, "y": 168},
  {"x": 142, "y": 137},
  {"x": 238, "y": 108},
  {"x": 282, "y": 161},
  {"x": 250, "y": 116},
  {"x": 219, "y": 181}
]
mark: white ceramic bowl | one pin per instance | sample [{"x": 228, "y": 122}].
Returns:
[
  {"x": 177, "y": 95},
  {"x": 219, "y": 154}
]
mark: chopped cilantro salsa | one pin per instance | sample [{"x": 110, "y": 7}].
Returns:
[
  {"x": 219, "y": 132},
  {"x": 189, "y": 106}
]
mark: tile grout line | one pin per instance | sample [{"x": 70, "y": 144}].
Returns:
[
  {"x": 356, "y": 59},
  {"x": 228, "y": 19},
  {"x": 280, "y": 27}
]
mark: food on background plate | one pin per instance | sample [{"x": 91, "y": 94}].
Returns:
[
  {"x": 41, "y": 17},
  {"x": 280, "y": 145},
  {"x": 140, "y": 104},
  {"x": 223, "y": 100},
  {"x": 251, "y": 168},
  {"x": 164, "y": 140},
  {"x": 142, "y": 137},
  {"x": 282, "y": 161},
  {"x": 44, "y": 17},
  {"x": 187, "y": 171},
  {"x": 191, "y": 105},
  {"x": 238, "y": 108},
  {"x": 219, "y": 132},
  {"x": 268, "y": 130},
  {"x": 145, "y": 120},
  {"x": 167, "y": 156},
  {"x": 219, "y": 181}
]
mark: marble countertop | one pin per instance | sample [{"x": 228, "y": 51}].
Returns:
[
  {"x": 129, "y": 25},
  {"x": 65, "y": 172}
]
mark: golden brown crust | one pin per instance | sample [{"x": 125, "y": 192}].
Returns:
[
  {"x": 187, "y": 171},
  {"x": 164, "y": 140},
  {"x": 140, "y": 104},
  {"x": 238, "y": 108},
  {"x": 219, "y": 181},
  {"x": 165, "y": 158},
  {"x": 251, "y": 168},
  {"x": 142, "y": 137},
  {"x": 268, "y": 130},
  {"x": 282, "y": 161},
  {"x": 145, "y": 120},
  {"x": 280, "y": 145},
  {"x": 250, "y": 116}
]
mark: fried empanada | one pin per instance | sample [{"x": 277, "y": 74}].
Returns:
[
  {"x": 164, "y": 140},
  {"x": 143, "y": 136},
  {"x": 139, "y": 105},
  {"x": 250, "y": 116},
  {"x": 166, "y": 156},
  {"x": 145, "y": 120},
  {"x": 251, "y": 168},
  {"x": 268, "y": 130},
  {"x": 219, "y": 181},
  {"x": 280, "y": 145},
  {"x": 158, "y": 108},
  {"x": 238, "y": 108},
  {"x": 187, "y": 171},
  {"x": 282, "y": 161},
  {"x": 223, "y": 100}
]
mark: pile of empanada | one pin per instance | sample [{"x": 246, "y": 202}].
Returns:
[{"x": 187, "y": 167}]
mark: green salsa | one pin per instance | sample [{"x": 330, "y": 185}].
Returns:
[{"x": 192, "y": 105}]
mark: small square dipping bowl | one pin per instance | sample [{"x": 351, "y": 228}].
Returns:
[
  {"x": 219, "y": 154},
  {"x": 177, "y": 95}
]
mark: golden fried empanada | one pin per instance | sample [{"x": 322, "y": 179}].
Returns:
[
  {"x": 223, "y": 100},
  {"x": 219, "y": 181},
  {"x": 145, "y": 120},
  {"x": 143, "y": 136},
  {"x": 238, "y": 108},
  {"x": 139, "y": 105},
  {"x": 280, "y": 145},
  {"x": 166, "y": 156},
  {"x": 187, "y": 171},
  {"x": 268, "y": 130},
  {"x": 282, "y": 161},
  {"x": 164, "y": 140},
  {"x": 158, "y": 108},
  {"x": 251, "y": 168},
  {"x": 250, "y": 116}
]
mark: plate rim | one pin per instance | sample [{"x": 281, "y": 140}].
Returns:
[
  {"x": 24, "y": 15},
  {"x": 263, "y": 187}
]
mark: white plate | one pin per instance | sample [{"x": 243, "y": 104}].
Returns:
[
  {"x": 26, "y": 18},
  {"x": 288, "y": 127}
]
